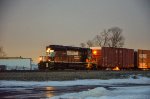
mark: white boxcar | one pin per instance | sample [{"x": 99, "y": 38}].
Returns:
[{"x": 16, "y": 63}]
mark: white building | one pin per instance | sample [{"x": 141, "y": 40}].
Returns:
[{"x": 16, "y": 63}]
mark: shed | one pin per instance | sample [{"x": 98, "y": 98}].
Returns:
[{"x": 16, "y": 63}]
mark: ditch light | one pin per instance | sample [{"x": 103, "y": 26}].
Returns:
[{"x": 116, "y": 68}]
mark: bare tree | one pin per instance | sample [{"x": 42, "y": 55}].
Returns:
[
  {"x": 98, "y": 40},
  {"x": 102, "y": 39},
  {"x": 90, "y": 43},
  {"x": 108, "y": 38},
  {"x": 83, "y": 45},
  {"x": 2, "y": 53},
  {"x": 116, "y": 37}
]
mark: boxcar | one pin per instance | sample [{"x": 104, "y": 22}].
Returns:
[
  {"x": 143, "y": 59},
  {"x": 117, "y": 57}
]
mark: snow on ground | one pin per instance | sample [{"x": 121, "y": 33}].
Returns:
[
  {"x": 125, "y": 92},
  {"x": 142, "y": 92},
  {"x": 115, "y": 91},
  {"x": 140, "y": 80}
]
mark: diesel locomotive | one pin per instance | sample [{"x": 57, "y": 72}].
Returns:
[{"x": 65, "y": 57}]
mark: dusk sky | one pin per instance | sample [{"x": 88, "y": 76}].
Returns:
[{"x": 28, "y": 26}]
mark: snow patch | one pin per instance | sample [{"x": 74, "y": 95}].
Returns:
[{"x": 141, "y": 92}]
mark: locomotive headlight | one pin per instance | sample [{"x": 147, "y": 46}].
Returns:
[
  {"x": 40, "y": 58},
  {"x": 48, "y": 50}
]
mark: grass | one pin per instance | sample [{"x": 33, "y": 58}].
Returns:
[{"x": 68, "y": 75}]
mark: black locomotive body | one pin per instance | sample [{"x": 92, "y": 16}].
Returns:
[{"x": 65, "y": 57}]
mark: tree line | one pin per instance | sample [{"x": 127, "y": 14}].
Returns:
[{"x": 111, "y": 37}]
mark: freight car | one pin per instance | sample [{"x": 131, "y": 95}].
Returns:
[
  {"x": 116, "y": 58},
  {"x": 65, "y": 57},
  {"x": 105, "y": 58},
  {"x": 143, "y": 59},
  {"x": 109, "y": 58}
]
